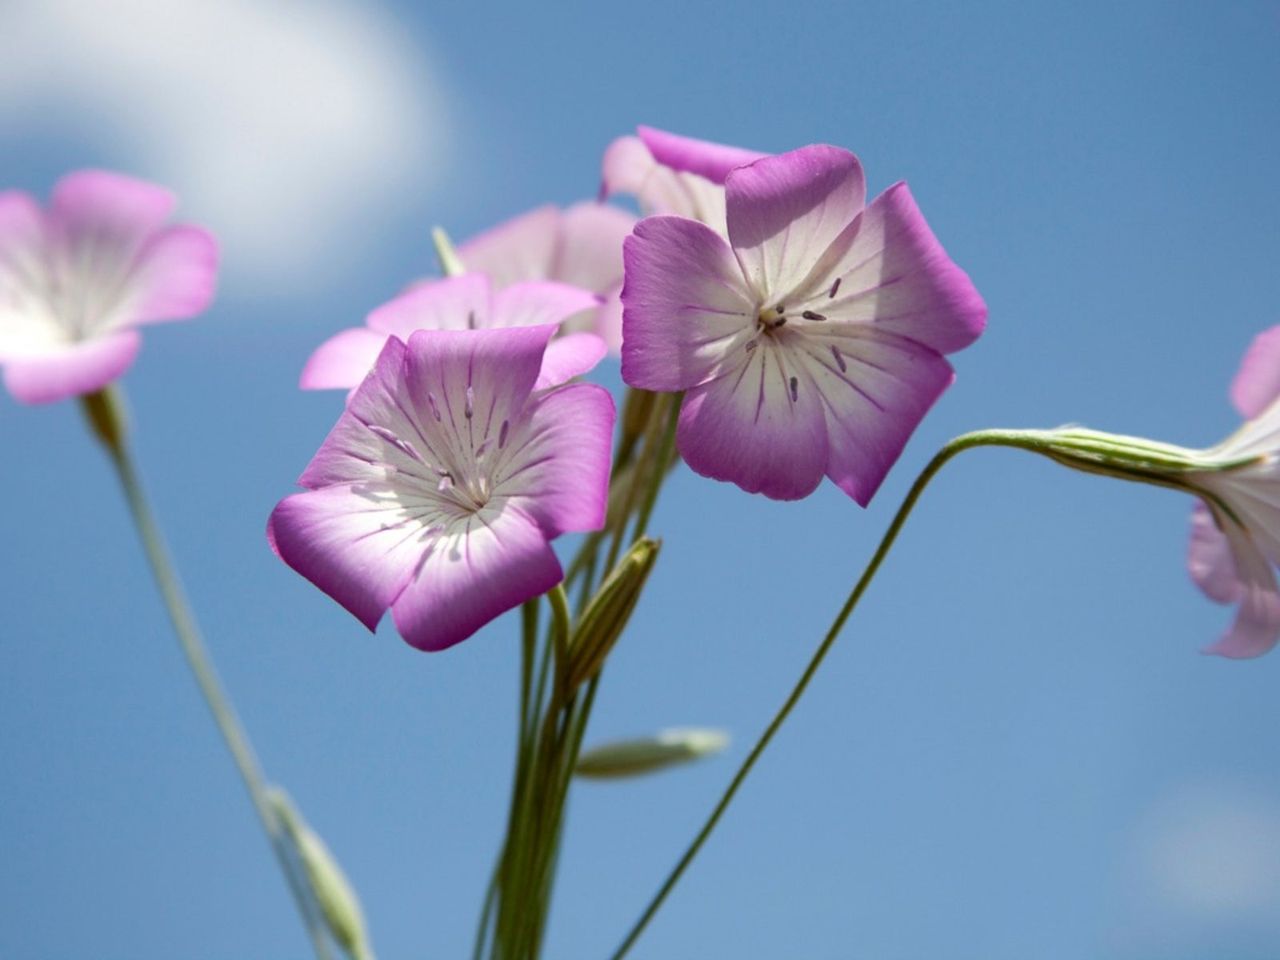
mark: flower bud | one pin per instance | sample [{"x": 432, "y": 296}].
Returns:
[
  {"x": 637, "y": 410},
  {"x": 606, "y": 615},
  {"x": 628, "y": 758},
  {"x": 334, "y": 894}
]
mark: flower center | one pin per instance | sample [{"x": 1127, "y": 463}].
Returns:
[{"x": 772, "y": 319}]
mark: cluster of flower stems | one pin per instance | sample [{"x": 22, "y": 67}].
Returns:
[{"x": 563, "y": 655}]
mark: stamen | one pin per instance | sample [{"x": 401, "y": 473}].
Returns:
[
  {"x": 482, "y": 450},
  {"x": 435, "y": 410},
  {"x": 810, "y": 315},
  {"x": 469, "y": 408},
  {"x": 388, "y": 436},
  {"x": 471, "y": 319},
  {"x": 795, "y": 389},
  {"x": 382, "y": 433},
  {"x": 502, "y": 434},
  {"x": 835, "y": 352},
  {"x": 780, "y": 322},
  {"x": 750, "y": 346},
  {"x": 834, "y": 287}
]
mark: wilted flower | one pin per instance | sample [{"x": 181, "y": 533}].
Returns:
[
  {"x": 580, "y": 246},
  {"x": 77, "y": 278},
  {"x": 812, "y": 341},
  {"x": 439, "y": 488},
  {"x": 1235, "y": 530},
  {"x": 466, "y": 302}
]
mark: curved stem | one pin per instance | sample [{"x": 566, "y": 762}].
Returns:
[
  {"x": 1013, "y": 438},
  {"x": 104, "y": 412}
]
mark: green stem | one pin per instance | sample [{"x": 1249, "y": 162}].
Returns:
[
  {"x": 104, "y": 411},
  {"x": 659, "y": 468},
  {"x": 1011, "y": 438},
  {"x": 528, "y": 649}
]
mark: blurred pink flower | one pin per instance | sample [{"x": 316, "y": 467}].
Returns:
[
  {"x": 580, "y": 246},
  {"x": 440, "y": 486},
  {"x": 77, "y": 278},
  {"x": 464, "y": 302},
  {"x": 808, "y": 342},
  {"x": 1235, "y": 530}
]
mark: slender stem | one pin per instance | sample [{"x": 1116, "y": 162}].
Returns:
[
  {"x": 104, "y": 412},
  {"x": 648, "y": 461},
  {"x": 965, "y": 442},
  {"x": 659, "y": 467},
  {"x": 528, "y": 649}
]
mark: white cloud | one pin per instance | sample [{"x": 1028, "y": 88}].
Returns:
[
  {"x": 292, "y": 127},
  {"x": 1213, "y": 851}
]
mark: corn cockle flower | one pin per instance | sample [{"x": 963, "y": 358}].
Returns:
[
  {"x": 465, "y": 302},
  {"x": 437, "y": 491},
  {"x": 580, "y": 246},
  {"x": 77, "y": 278},
  {"x": 1235, "y": 530},
  {"x": 671, "y": 174},
  {"x": 812, "y": 341}
]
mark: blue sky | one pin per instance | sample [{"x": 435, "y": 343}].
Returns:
[{"x": 1015, "y": 750}]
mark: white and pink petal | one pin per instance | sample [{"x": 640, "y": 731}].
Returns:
[
  {"x": 887, "y": 269},
  {"x": 173, "y": 277},
  {"x": 483, "y": 567},
  {"x": 1257, "y": 384},
  {"x": 758, "y": 424},
  {"x": 519, "y": 249},
  {"x": 343, "y": 360},
  {"x": 71, "y": 369},
  {"x": 361, "y": 543},
  {"x": 590, "y": 250},
  {"x": 538, "y": 302},
  {"x": 712, "y": 161},
  {"x": 453, "y": 303},
  {"x": 1256, "y": 628},
  {"x": 685, "y": 305},
  {"x": 875, "y": 389},
  {"x": 785, "y": 211},
  {"x": 569, "y": 356},
  {"x": 555, "y": 463}
]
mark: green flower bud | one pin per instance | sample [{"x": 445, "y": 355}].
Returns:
[
  {"x": 628, "y": 758},
  {"x": 608, "y": 612},
  {"x": 334, "y": 894}
]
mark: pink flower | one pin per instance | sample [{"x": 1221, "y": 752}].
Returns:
[
  {"x": 440, "y": 486},
  {"x": 1235, "y": 530},
  {"x": 671, "y": 174},
  {"x": 580, "y": 246},
  {"x": 809, "y": 342},
  {"x": 77, "y": 278},
  {"x": 460, "y": 303}
]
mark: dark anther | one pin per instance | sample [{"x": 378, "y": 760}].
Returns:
[
  {"x": 834, "y": 287},
  {"x": 502, "y": 434},
  {"x": 795, "y": 387},
  {"x": 835, "y": 352},
  {"x": 810, "y": 315}
]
